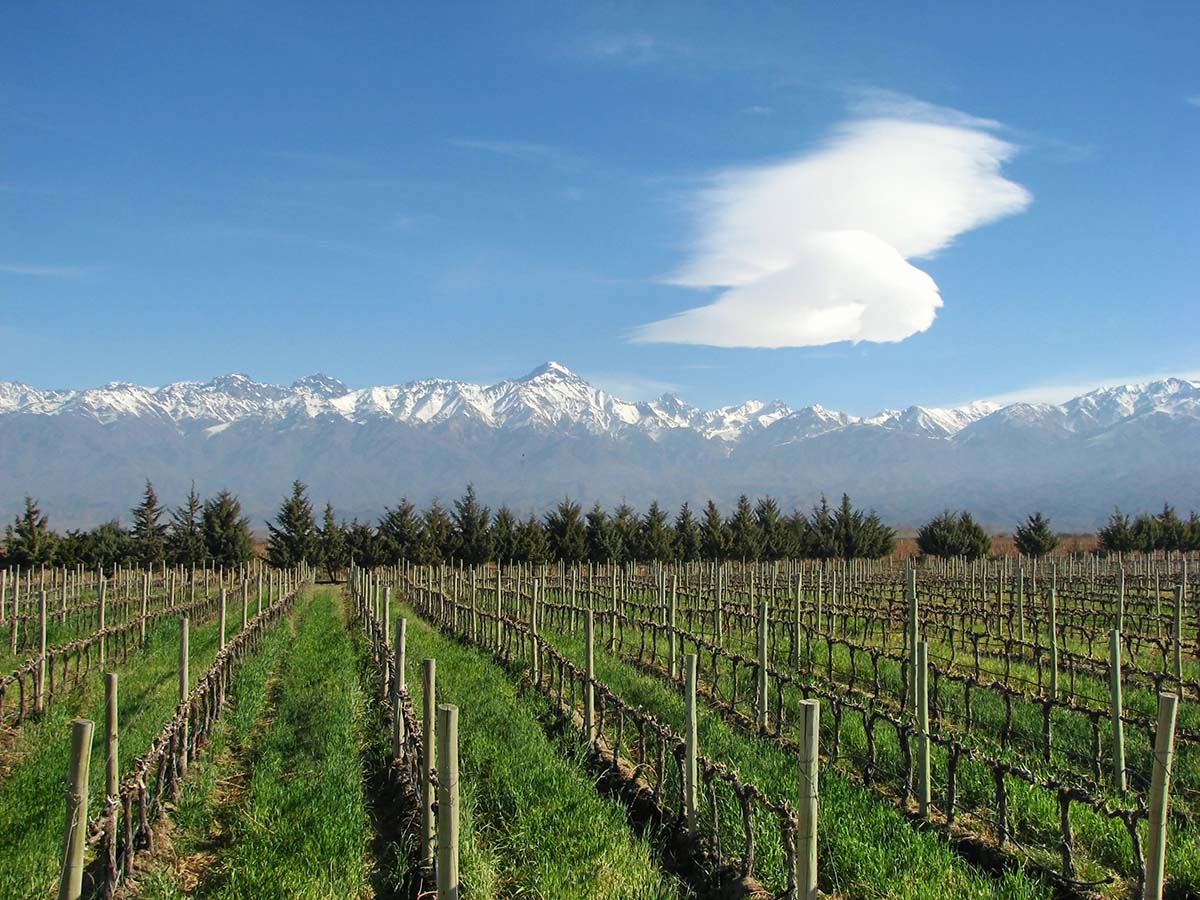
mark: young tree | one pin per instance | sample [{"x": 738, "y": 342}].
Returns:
[
  {"x": 472, "y": 538},
  {"x": 149, "y": 533},
  {"x": 627, "y": 524},
  {"x": 566, "y": 532},
  {"x": 331, "y": 545},
  {"x": 1146, "y": 533},
  {"x": 603, "y": 539},
  {"x": 1172, "y": 532},
  {"x": 714, "y": 536},
  {"x": 108, "y": 545},
  {"x": 437, "y": 535},
  {"x": 28, "y": 541},
  {"x": 745, "y": 537},
  {"x": 821, "y": 533},
  {"x": 1117, "y": 536},
  {"x": 504, "y": 534},
  {"x": 1034, "y": 538},
  {"x": 227, "y": 538},
  {"x": 777, "y": 540},
  {"x": 948, "y": 535},
  {"x": 399, "y": 534},
  {"x": 689, "y": 540},
  {"x": 531, "y": 544},
  {"x": 185, "y": 535},
  {"x": 293, "y": 535},
  {"x": 655, "y": 536}
]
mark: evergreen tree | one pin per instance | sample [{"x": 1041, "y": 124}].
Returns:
[
  {"x": 364, "y": 548},
  {"x": 399, "y": 534},
  {"x": 745, "y": 537},
  {"x": 437, "y": 535},
  {"x": 149, "y": 533},
  {"x": 227, "y": 538},
  {"x": 185, "y": 536},
  {"x": 655, "y": 538},
  {"x": 689, "y": 541},
  {"x": 566, "y": 532},
  {"x": 948, "y": 535},
  {"x": 331, "y": 545},
  {"x": 777, "y": 537},
  {"x": 603, "y": 539},
  {"x": 71, "y": 549},
  {"x": 714, "y": 536},
  {"x": 1034, "y": 537},
  {"x": 1117, "y": 536},
  {"x": 797, "y": 526},
  {"x": 1191, "y": 534},
  {"x": 531, "y": 544},
  {"x": 504, "y": 534},
  {"x": 293, "y": 535},
  {"x": 627, "y": 524},
  {"x": 472, "y": 538},
  {"x": 108, "y": 545},
  {"x": 1146, "y": 533},
  {"x": 29, "y": 540},
  {"x": 1172, "y": 532},
  {"x": 822, "y": 534}
]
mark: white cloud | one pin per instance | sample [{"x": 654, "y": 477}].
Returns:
[
  {"x": 1059, "y": 393},
  {"x": 815, "y": 249}
]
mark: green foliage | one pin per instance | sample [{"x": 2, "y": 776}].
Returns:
[
  {"x": 227, "y": 539},
  {"x": 655, "y": 538},
  {"x": 858, "y": 535},
  {"x": 504, "y": 534},
  {"x": 332, "y": 548},
  {"x": 293, "y": 534},
  {"x": 778, "y": 539},
  {"x": 185, "y": 534},
  {"x": 530, "y": 544},
  {"x": 1118, "y": 535},
  {"x": 689, "y": 540},
  {"x": 745, "y": 537},
  {"x": 566, "y": 532},
  {"x": 399, "y": 534},
  {"x": 472, "y": 537},
  {"x": 625, "y": 520},
  {"x": 437, "y": 535},
  {"x": 948, "y": 535},
  {"x": 149, "y": 532},
  {"x": 603, "y": 539},
  {"x": 29, "y": 540},
  {"x": 364, "y": 547},
  {"x": 714, "y": 536},
  {"x": 820, "y": 538},
  {"x": 1034, "y": 538}
]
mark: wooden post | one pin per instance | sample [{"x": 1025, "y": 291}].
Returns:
[
  {"x": 70, "y": 886},
  {"x": 924, "y": 787},
  {"x": 112, "y": 770},
  {"x": 100, "y": 621},
  {"x": 245, "y": 604},
  {"x": 447, "y": 791},
  {"x": 1118, "y": 726},
  {"x": 1179, "y": 637},
  {"x": 1054, "y": 642},
  {"x": 589, "y": 692},
  {"x": 430, "y": 726},
  {"x": 796, "y": 623},
  {"x": 806, "y": 832},
  {"x": 914, "y": 637},
  {"x": 39, "y": 697},
  {"x": 761, "y": 693},
  {"x": 690, "y": 737},
  {"x": 183, "y": 681},
  {"x": 1160, "y": 786},
  {"x": 398, "y": 687},
  {"x": 222, "y": 620},
  {"x": 672, "y": 639}
]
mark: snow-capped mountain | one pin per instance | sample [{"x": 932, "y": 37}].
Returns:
[{"x": 551, "y": 432}]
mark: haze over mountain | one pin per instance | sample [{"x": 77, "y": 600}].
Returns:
[{"x": 528, "y": 441}]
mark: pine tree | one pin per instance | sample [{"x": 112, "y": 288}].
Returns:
[
  {"x": 29, "y": 540},
  {"x": 1034, "y": 537},
  {"x": 566, "y": 532},
  {"x": 745, "y": 538},
  {"x": 777, "y": 537},
  {"x": 603, "y": 539},
  {"x": 227, "y": 538},
  {"x": 531, "y": 544},
  {"x": 948, "y": 535},
  {"x": 331, "y": 545},
  {"x": 714, "y": 536},
  {"x": 472, "y": 538},
  {"x": 1191, "y": 539},
  {"x": 149, "y": 533},
  {"x": 1146, "y": 532},
  {"x": 399, "y": 534},
  {"x": 822, "y": 536},
  {"x": 688, "y": 539},
  {"x": 860, "y": 535},
  {"x": 185, "y": 536},
  {"x": 363, "y": 546},
  {"x": 293, "y": 534},
  {"x": 655, "y": 538},
  {"x": 504, "y": 534},
  {"x": 108, "y": 545},
  {"x": 1117, "y": 536},
  {"x": 437, "y": 535},
  {"x": 1172, "y": 532},
  {"x": 627, "y": 524}
]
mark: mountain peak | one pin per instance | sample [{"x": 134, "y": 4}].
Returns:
[
  {"x": 322, "y": 385},
  {"x": 551, "y": 368}
]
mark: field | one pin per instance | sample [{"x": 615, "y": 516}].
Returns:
[{"x": 304, "y": 759}]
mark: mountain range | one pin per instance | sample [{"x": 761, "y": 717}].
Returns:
[{"x": 85, "y": 454}]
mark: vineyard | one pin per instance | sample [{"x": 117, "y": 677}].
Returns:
[{"x": 1012, "y": 728}]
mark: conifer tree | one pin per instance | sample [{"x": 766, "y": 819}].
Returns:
[
  {"x": 688, "y": 539},
  {"x": 149, "y": 533},
  {"x": 363, "y": 547},
  {"x": 947, "y": 535},
  {"x": 1034, "y": 538},
  {"x": 293, "y": 534},
  {"x": 531, "y": 544},
  {"x": 1118, "y": 535},
  {"x": 227, "y": 538},
  {"x": 185, "y": 535},
  {"x": 603, "y": 539},
  {"x": 504, "y": 534},
  {"x": 1146, "y": 532},
  {"x": 777, "y": 537},
  {"x": 399, "y": 534},
  {"x": 745, "y": 538},
  {"x": 331, "y": 544},
  {"x": 822, "y": 538},
  {"x": 627, "y": 524},
  {"x": 566, "y": 532},
  {"x": 29, "y": 540},
  {"x": 714, "y": 536},
  {"x": 655, "y": 538},
  {"x": 1171, "y": 530},
  {"x": 472, "y": 537},
  {"x": 437, "y": 535}
]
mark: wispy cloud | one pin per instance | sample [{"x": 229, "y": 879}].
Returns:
[
  {"x": 41, "y": 271},
  {"x": 524, "y": 151},
  {"x": 1193, "y": 100},
  {"x": 815, "y": 249},
  {"x": 758, "y": 110},
  {"x": 635, "y": 47},
  {"x": 1059, "y": 392}
]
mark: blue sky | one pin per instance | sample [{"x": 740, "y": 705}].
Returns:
[{"x": 391, "y": 191}]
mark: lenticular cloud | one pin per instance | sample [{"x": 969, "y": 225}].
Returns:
[{"x": 816, "y": 249}]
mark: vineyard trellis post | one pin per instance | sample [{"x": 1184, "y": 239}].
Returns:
[
  {"x": 221, "y": 628},
  {"x": 1160, "y": 786},
  {"x": 70, "y": 886},
  {"x": 39, "y": 701},
  {"x": 183, "y": 688},
  {"x": 924, "y": 788},
  {"x": 448, "y": 808},
  {"x": 427, "y": 762},
  {"x": 1118, "y": 726},
  {"x": 691, "y": 742},
  {"x": 806, "y": 831},
  {"x": 761, "y": 691},
  {"x": 589, "y": 691},
  {"x": 112, "y": 769},
  {"x": 398, "y": 688}
]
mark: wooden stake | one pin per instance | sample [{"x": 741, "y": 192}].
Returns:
[
  {"x": 690, "y": 774},
  {"x": 1118, "y": 726},
  {"x": 806, "y": 833},
  {"x": 447, "y": 814},
  {"x": 589, "y": 692},
  {"x": 70, "y": 886},
  {"x": 1160, "y": 786},
  {"x": 427, "y": 763}
]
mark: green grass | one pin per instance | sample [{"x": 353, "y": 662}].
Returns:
[
  {"x": 33, "y": 791},
  {"x": 303, "y": 828},
  {"x": 532, "y": 824}
]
